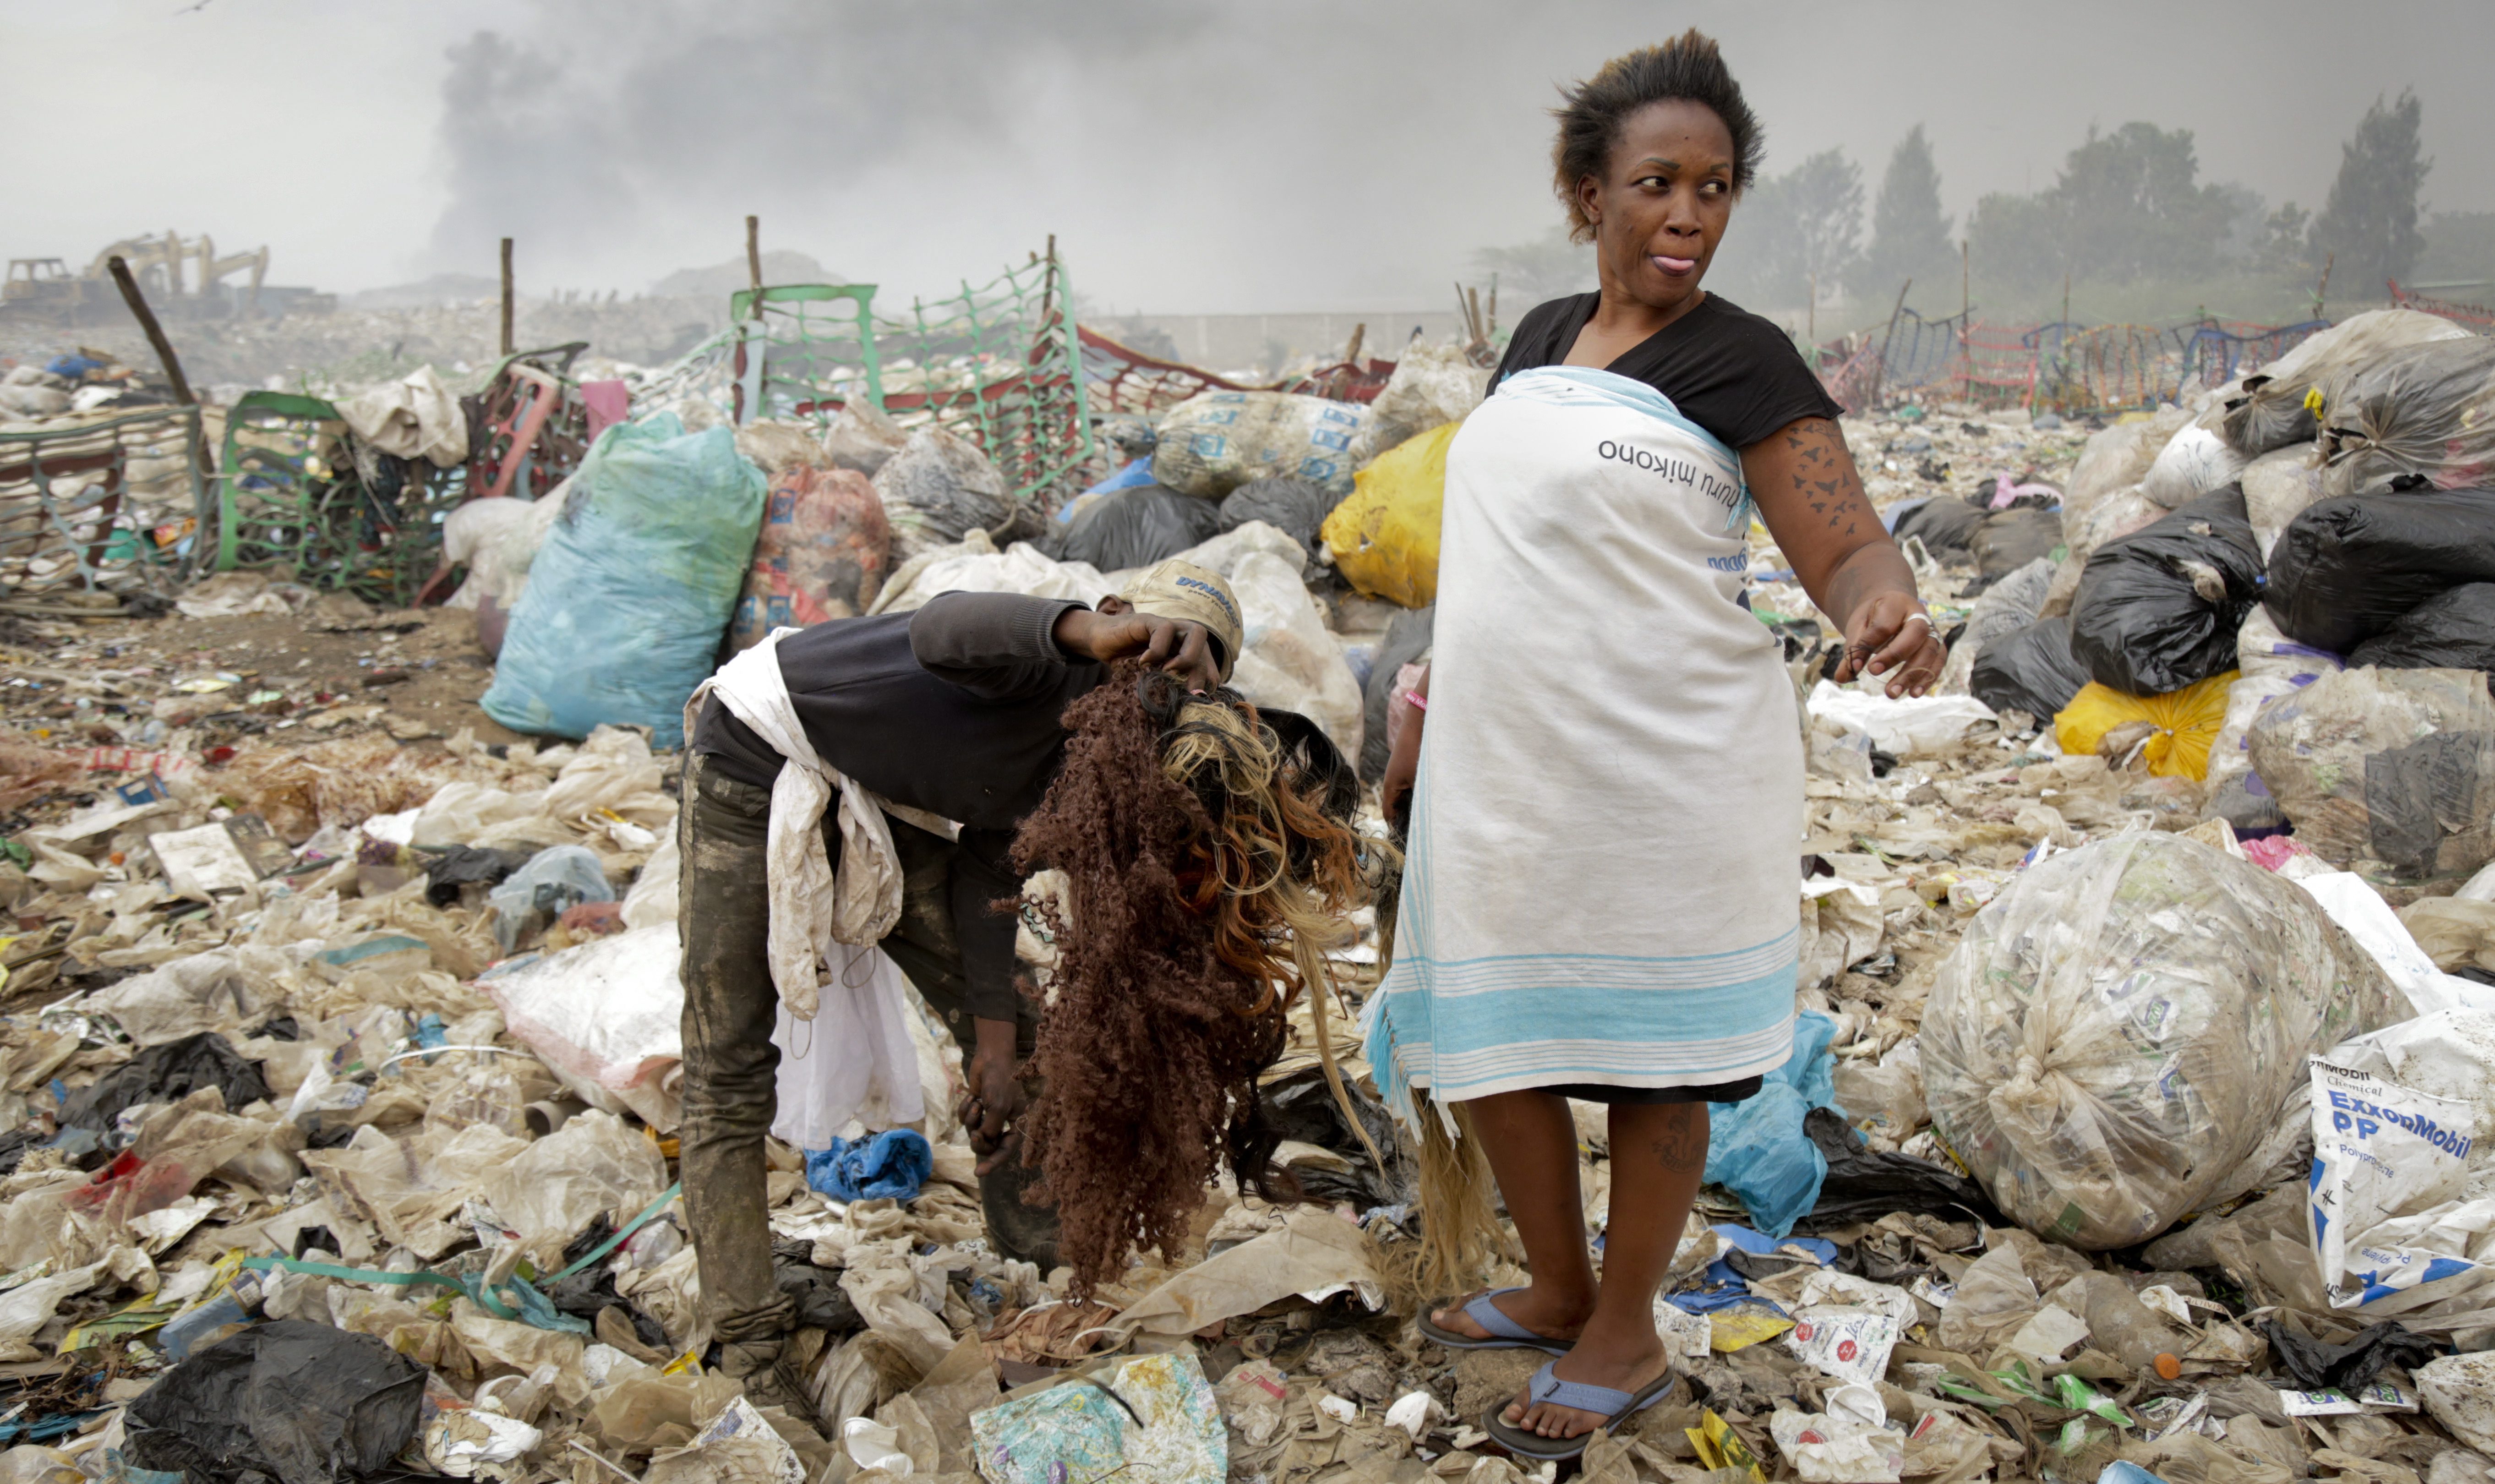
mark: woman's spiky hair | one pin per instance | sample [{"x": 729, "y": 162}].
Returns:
[{"x": 1688, "y": 68}]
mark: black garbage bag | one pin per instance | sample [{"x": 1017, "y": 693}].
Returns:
[
  {"x": 2452, "y": 631},
  {"x": 2005, "y": 540},
  {"x": 1408, "y": 638},
  {"x": 303, "y": 1403},
  {"x": 2345, "y": 569},
  {"x": 1295, "y": 508},
  {"x": 1944, "y": 523},
  {"x": 1301, "y": 1106},
  {"x": 166, "y": 1073},
  {"x": 450, "y": 867},
  {"x": 1863, "y": 1186},
  {"x": 2032, "y": 670},
  {"x": 1136, "y": 527},
  {"x": 2320, "y": 1367},
  {"x": 2159, "y": 610}
]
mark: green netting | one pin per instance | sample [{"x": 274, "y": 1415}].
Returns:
[
  {"x": 293, "y": 503},
  {"x": 997, "y": 363}
]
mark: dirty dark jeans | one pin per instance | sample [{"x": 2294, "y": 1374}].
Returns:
[{"x": 731, "y": 1065}]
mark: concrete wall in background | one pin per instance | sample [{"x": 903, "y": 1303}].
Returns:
[{"x": 1229, "y": 342}]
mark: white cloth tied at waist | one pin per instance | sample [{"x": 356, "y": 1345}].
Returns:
[{"x": 847, "y": 1050}]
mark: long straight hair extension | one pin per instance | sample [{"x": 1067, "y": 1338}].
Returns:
[
  {"x": 1209, "y": 864},
  {"x": 1461, "y": 1238}
]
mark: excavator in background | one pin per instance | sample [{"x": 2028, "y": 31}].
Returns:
[{"x": 44, "y": 288}]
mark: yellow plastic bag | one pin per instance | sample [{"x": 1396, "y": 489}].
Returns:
[
  {"x": 1384, "y": 538},
  {"x": 2187, "y": 721}
]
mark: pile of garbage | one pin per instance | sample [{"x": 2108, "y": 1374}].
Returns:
[{"x": 2130, "y": 1131}]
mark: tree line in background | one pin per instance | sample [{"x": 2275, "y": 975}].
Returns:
[{"x": 2126, "y": 214}]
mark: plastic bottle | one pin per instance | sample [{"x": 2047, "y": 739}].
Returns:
[{"x": 2120, "y": 1324}]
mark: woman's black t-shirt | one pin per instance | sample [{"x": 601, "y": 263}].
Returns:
[{"x": 1726, "y": 369}]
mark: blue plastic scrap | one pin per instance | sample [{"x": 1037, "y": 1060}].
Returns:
[
  {"x": 1757, "y": 1149},
  {"x": 893, "y": 1164},
  {"x": 1727, "y": 1289}
]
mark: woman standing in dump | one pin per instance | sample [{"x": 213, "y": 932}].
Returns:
[{"x": 1600, "y": 897}]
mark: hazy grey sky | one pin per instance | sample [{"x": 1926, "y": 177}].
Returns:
[{"x": 1273, "y": 155}]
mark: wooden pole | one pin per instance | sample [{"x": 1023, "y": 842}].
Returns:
[
  {"x": 754, "y": 251},
  {"x": 2066, "y": 303},
  {"x": 1965, "y": 323},
  {"x": 1880, "y": 377},
  {"x": 1351, "y": 352},
  {"x": 1813, "y": 314},
  {"x": 155, "y": 332},
  {"x": 2322, "y": 290},
  {"x": 508, "y": 346}
]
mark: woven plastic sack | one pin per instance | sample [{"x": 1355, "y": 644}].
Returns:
[
  {"x": 2424, "y": 417},
  {"x": 2270, "y": 666},
  {"x": 2186, "y": 721},
  {"x": 1384, "y": 539},
  {"x": 2388, "y": 766},
  {"x": 824, "y": 547},
  {"x": 627, "y": 600},
  {"x": 2277, "y": 408},
  {"x": 2117, "y": 1034},
  {"x": 1214, "y": 443}
]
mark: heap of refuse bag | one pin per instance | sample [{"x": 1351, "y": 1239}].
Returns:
[{"x": 2135, "y": 1124}]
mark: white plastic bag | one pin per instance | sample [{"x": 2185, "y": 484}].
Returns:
[
  {"x": 605, "y": 1015},
  {"x": 1904, "y": 726},
  {"x": 1289, "y": 660},
  {"x": 2194, "y": 462},
  {"x": 2114, "y": 1039}
]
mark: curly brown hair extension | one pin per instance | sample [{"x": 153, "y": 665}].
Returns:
[{"x": 1210, "y": 865}]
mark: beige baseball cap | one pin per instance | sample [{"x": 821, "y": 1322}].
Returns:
[{"x": 1192, "y": 594}]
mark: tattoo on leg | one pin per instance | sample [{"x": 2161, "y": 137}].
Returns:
[{"x": 1681, "y": 1146}]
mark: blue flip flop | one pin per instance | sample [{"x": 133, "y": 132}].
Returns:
[
  {"x": 1616, "y": 1406},
  {"x": 1508, "y": 1335}
]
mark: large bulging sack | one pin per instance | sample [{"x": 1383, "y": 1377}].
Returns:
[
  {"x": 2158, "y": 609},
  {"x": 2273, "y": 666},
  {"x": 1136, "y": 527},
  {"x": 1432, "y": 384},
  {"x": 627, "y": 600},
  {"x": 1213, "y": 442},
  {"x": 2279, "y": 486},
  {"x": 1384, "y": 539},
  {"x": 2388, "y": 766},
  {"x": 2345, "y": 569},
  {"x": 2119, "y": 457},
  {"x": 2194, "y": 462},
  {"x": 937, "y": 489},
  {"x": 1295, "y": 508},
  {"x": 821, "y": 554},
  {"x": 2031, "y": 671},
  {"x": 2419, "y": 417},
  {"x": 2452, "y": 631},
  {"x": 2120, "y": 1030},
  {"x": 2276, "y": 409}
]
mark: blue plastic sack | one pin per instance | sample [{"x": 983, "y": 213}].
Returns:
[
  {"x": 1140, "y": 471},
  {"x": 1757, "y": 1149},
  {"x": 628, "y": 598},
  {"x": 892, "y": 1163}
]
